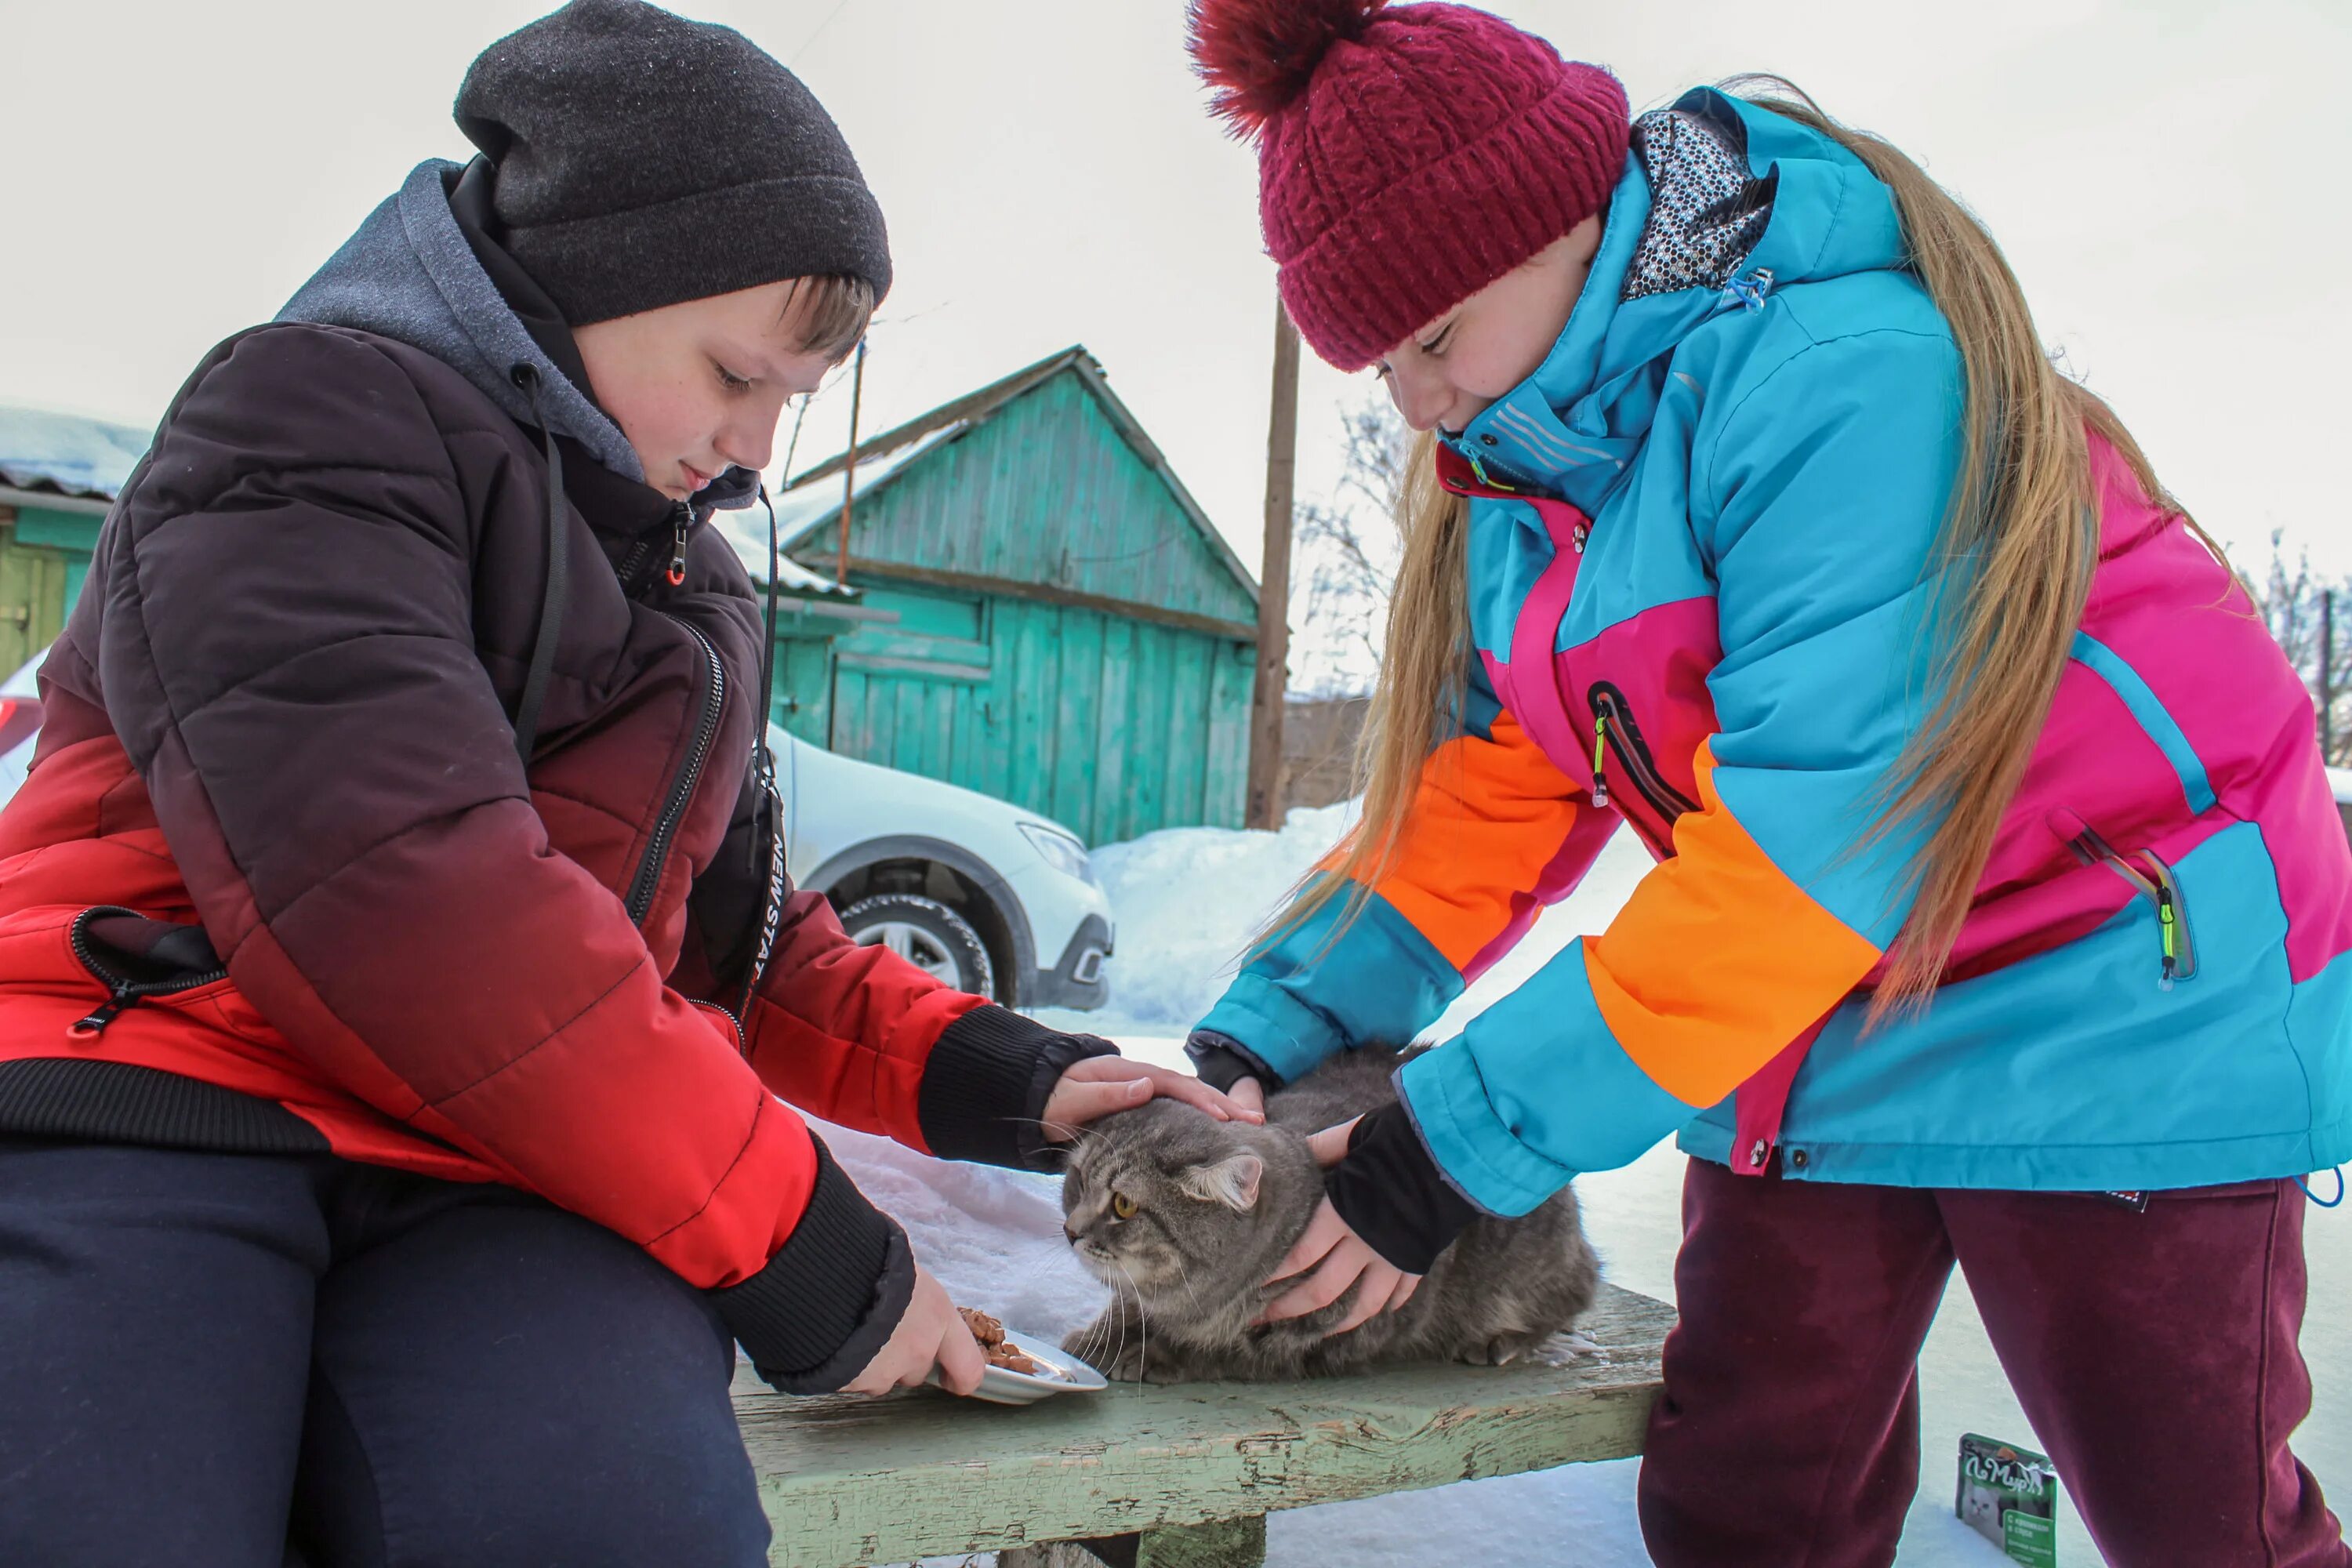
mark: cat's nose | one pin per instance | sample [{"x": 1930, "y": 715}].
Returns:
[{"x": 1069, "y": 1236}]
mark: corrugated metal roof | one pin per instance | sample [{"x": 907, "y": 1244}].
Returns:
[{"x": 44, "y": 450}]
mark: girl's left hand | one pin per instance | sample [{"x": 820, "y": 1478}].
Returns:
[
  {"x": 1338, "y": 1256},
  {"x": 1098, "y": 1085}
]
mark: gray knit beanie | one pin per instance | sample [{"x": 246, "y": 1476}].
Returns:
[{"x": 644, "y": 159}]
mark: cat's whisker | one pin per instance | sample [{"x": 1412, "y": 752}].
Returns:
[{"x": 1143, "y": 1329}]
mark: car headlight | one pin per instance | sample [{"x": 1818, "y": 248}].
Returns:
[{"x": 1061, "y": 851}]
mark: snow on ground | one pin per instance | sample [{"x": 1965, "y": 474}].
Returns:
[{"x": 1187, "y": 900}]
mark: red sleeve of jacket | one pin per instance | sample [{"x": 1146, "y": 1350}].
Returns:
[
  {"x": 287, "y": 648},
  {"x": 860, "y": 1036}
]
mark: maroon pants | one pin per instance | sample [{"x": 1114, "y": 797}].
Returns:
[{"x": 2155, "y": 1354}]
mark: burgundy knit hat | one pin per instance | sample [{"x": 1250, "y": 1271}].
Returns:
[{"x": 1408, "y": 156}]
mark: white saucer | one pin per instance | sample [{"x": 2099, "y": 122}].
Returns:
[{"x": 1064, "y": 1373}]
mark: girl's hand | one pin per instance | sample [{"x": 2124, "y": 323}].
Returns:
[
  {"x": 1249, "y": 1094},
  {"x": 1339, "y": 1257},
  {"x": 1100, "y": 1084},
  {"x": 931, "y": 1335},
  {"x": 1340, "y": 1260}
]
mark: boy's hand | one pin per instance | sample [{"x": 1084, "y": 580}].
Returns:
[
  {"x": 1249, "y": 1094},
  {"x": 930, "y": 1334},
  {"x": 1100, "y": 1084}
]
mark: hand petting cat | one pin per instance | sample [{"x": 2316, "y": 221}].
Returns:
[
  {"x": 1339, "y": 1258},
  {"x": 1386, "y": 1215},
  {"x": 1097, "y": 1086}
]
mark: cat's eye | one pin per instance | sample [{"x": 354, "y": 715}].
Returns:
[{"x": 1123, "y": 1205}]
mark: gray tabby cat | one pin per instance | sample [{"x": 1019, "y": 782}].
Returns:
[{"x": 1182, "y": 1215}]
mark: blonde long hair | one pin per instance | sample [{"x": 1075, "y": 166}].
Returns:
[{"x": 2017, "y": 545}]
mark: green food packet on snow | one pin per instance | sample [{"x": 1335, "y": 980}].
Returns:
[{"x": 2009, "y": 1496}]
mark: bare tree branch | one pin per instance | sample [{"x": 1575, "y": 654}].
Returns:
[{"x": 2294, "y": 600}]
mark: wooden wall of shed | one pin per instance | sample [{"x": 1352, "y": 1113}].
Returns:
[
  {"x": 1048, "y": 492},
  {"x": 1113, "y": 725},
  {"x": 44, "y": 557}
]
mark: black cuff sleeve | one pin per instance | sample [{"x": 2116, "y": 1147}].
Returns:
[
  {"x": 1220, "y": 1061},
  {"x": 831, "y": 1296},
  {"x": 985, "y": 1087},
  {"x": 1390, "y": 1191}
]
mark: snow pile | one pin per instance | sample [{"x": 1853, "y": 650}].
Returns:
[{"x": 1189, "y": 899}]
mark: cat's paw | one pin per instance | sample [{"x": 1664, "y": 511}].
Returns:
[
  {"x": 1548, "y": 1348},
  {"x": 1127, "y": 1366}
]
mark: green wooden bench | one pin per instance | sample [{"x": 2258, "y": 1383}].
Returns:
[{"x": 1184, "y": 1474}]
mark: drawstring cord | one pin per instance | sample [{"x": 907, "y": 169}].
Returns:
[
  {"x": 551, "y": 608},
  {"x": 764, "y": 756},
  {"x": 2335, "y": 1202},
  {"x": 1750, "y": 291},
  {"x": 763, "y": 767}
]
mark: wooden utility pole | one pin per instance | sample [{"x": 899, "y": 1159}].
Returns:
[
  {"x": 849, "y": 483},
  {"x": 1273, "y": 583}
]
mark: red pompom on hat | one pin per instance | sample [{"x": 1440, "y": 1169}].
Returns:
[{"x": 1408, "y": 156}]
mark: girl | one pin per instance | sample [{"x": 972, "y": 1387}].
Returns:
[
  {"x": 1999, "y": 914},
  {"x": 396, "y": 964}
]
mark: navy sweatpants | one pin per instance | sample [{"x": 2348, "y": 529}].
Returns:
[{"x": 254, "y": 1360}]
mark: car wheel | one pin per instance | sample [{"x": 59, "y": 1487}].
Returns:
[{"x": 928, "y": 935}]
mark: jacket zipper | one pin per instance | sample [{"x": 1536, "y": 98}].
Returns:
[
  {"x": 122, "y": 994},
  {"x": 1614, "y": 728},
  {"x": 2152, "y": 880},
  {"x": 649, "y": 870},
  {"x": 681, "y": 523},
  {"x": 682, "y": 520}
]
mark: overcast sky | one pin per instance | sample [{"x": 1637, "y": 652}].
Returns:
[{"x": 2169, "y": 178}]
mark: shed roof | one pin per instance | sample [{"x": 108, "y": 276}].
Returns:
[
  {"x": 65, "y": 453},
  {"x": 811, "y": 502}
]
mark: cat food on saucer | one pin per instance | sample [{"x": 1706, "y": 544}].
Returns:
[
  {"x": 1011, "y": 1360},
  {"x": 989, "y": 1332}
]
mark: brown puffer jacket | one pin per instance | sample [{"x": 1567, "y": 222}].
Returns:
[{"x": 281, "y": 731}]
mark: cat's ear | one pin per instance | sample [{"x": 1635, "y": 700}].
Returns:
[{"x": 1232, "y": 1181}]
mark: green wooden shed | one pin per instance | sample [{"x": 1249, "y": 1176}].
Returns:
[
  {"x": 59, "y": 475},
  {"x": 1070, "y": 632}
]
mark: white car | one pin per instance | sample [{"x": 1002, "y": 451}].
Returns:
[
  {"x": 991, "y": 899},
  {"x": 988, "y": 897}
]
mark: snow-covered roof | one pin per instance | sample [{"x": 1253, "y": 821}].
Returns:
[
  {"x": 746, "y": 528},
  {"x": 40, "y": 449},
  {"x": 814, "y": 502}
]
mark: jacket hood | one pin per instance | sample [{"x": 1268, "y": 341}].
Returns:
[
  {"x": 1721, "y": 203},
  {"x": 408, "y": 273}
]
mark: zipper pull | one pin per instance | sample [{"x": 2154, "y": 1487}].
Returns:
[
  {"x": 1600, "y": 761},
  {"x": 1479, "y": 469},
  {"x": 677, "y": 546},
  {"x": 2167, "y": 924},
  {"x": 91, "y": 1028},
  {"x": 1576, "y": 537}
]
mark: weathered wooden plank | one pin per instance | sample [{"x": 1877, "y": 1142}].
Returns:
[
  {"x": 1187, "y": 734},
  {"x": 1108, "y": 733},
  {"x": 1228, "y": 787},
  {"x": 851, "y": 1482},
  {"x": 1079, "y": 738},
  {"x": 1145, "y": 734}
]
